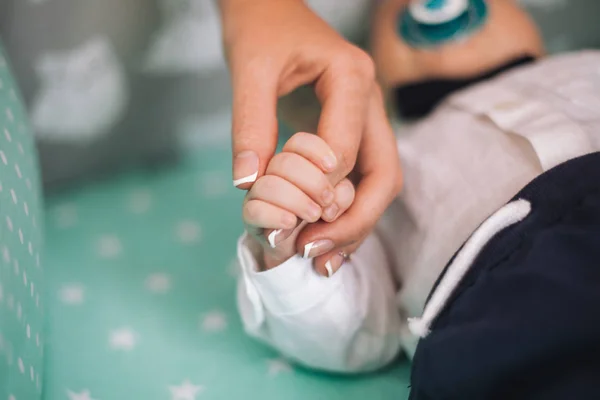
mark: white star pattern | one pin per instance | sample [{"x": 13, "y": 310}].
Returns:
[
  {"x": 65, "y": 216},
  {"x": 84, "y": 395},
  {"x": 185, "y": 391},
  {"x": 276, "y": 366},
  {"x": 215, "y": 321},
  {"x": 6, "y": 254},
  {"x": 72, "y": 294},
  {"x": 140, "y": 201},
  {"x": 158, "y": 283},
  {"x": 109, "y": 246},
  {"x": 9, "y": 223},
  {"x": 188, "y": 232},
  {"x": 123, "y": 339}
]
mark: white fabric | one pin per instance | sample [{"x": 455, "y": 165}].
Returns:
[{"x": 462, "y": 163}]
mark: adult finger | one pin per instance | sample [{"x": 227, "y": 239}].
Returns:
[
  {"x": 254, "y": 122},
  {"x": 380, "y": 183},
  {"x": 343, "y": 90}
]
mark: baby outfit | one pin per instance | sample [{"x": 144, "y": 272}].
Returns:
[{"x": 511, "y": 301}]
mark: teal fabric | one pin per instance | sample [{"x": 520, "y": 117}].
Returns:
[
  {"x": 141, "y": 274},
  {"x": 21, "y": 277}
]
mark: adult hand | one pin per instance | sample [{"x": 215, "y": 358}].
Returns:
[{"x": 276, "y": 46}]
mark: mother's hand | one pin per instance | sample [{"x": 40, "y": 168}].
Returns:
[
  {"x": 379, "y": 180},
  {"x": 276, "y": 46}
]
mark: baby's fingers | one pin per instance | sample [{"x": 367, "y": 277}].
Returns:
[
  {"x": 344, "y": 196},
  {"x": 314, "y": 149},
  {"x": 259, "y": 213}
]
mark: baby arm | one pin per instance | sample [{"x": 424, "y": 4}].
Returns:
[{"x": 343, "y": 321}]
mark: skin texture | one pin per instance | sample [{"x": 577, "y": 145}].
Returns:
[
  {"x": 275, "y": 46},
  {"x": 508, "y": 33}
]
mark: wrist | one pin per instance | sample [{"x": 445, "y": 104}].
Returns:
[{"x": 235, "y": 14}]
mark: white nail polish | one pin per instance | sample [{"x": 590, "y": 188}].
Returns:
[
  {"x": 329, "y": 268},
  {"x": 307, "y": 248},
  {"x": 246, "y": 179},
  {"x": 272, "y": 237}
]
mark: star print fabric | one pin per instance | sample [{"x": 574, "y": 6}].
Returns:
[{"x": 22, "y": 333}]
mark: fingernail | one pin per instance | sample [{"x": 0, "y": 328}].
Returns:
[
  {"x": 329, "y": 162},
  {"x": 245, "y": 168},
  {"x": 328, "y": 197},
  {"x": 314, "y": 212},
  {"x": 272, "y": 236},
  {"x": 334, "y": 264},
  {"x": 314, "y": 249},
  {"x": 330, "y": 212}
]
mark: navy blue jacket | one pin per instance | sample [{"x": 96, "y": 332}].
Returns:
[{"x": 524, "y": 322}]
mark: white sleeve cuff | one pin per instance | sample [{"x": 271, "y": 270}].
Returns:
[{"x": 290, "y": 288}]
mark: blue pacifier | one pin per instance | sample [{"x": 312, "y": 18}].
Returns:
[{"x": 430, "y": 23}]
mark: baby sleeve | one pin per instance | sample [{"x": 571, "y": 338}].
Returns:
[{"x": 347, "y": 323}]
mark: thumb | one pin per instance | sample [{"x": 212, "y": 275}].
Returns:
[{"x": 254, "y": 122}]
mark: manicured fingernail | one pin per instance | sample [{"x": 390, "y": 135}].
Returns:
[
  {"x": 329, "y": 162},
  {"x": 314, "y": 249},
  {"x": 314, "y": 212},
  {"x": 272, "y": 236},
  {"x": 245, "y": 168},
  {"x": 334, "y": 264},
  {"x": 330, "y": 212},
  {"x": 328, "y": 197}
]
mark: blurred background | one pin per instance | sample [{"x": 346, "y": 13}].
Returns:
[
  {"x": 129, "y": 106},
  {"x": 117, "y": 83}
]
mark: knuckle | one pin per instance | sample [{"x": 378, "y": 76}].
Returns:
[
  {"x": 358, "y": 63},
  {"x": 365, "y": 65}
]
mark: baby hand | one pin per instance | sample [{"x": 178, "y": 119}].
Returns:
[{"x": 294, "y": 191}]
